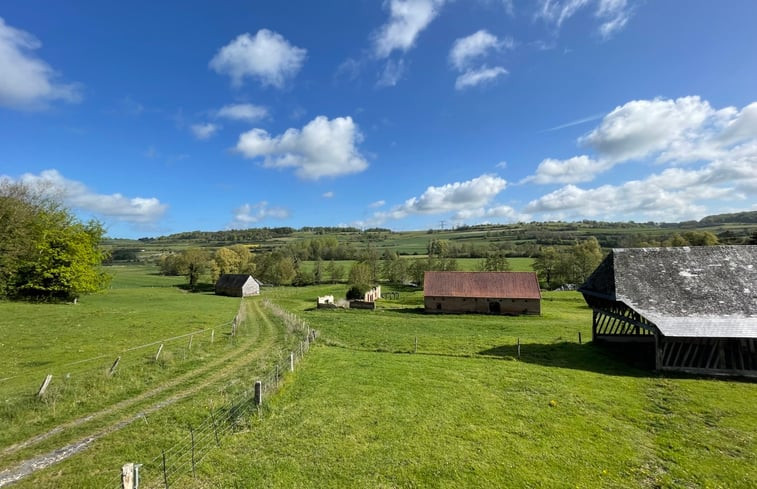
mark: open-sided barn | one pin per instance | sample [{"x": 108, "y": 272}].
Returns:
[
  {"x": 482, "y": 292},
  {"x": 698, "y": 305},
  {"x": 237, "y": 285}
]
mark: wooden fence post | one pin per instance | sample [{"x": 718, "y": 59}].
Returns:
[
  {"x": 518, "y": 348},
  {"x": 44, "y": 385},
  {"x": 191, "y": 337},
  {"x": 579, "y": 337},
  {"x": 113, "y": 367},
  {"x": 127, "y": 476},
  {"x": 258, "y": 393},
  {"x": 192, "y": 435},
  {"x": 291, "y": 362},
  {"x": 212, "y": 336},
  {"x": 159, "y": 350},
  {"x": 165, "y": 474},
  {"x": 416, "y": 345}
]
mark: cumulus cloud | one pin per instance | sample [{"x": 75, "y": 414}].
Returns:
[
  {"x": 328, "y": 195},
  {"x": 474, "y": 77},
  {"x": 242, "y": 112},
  {"x": 135, "y": 210},
  {"x": 613, "y": 15},
  {"x": 498, "y": 213},
  {"x": 248, "y": 214},
  {"x": 322, "y": 148},
  {"x": 407, "y": 18},
  {"x": 27, "y": 82},
  {"x": 267, "y": 57},
  {"x": 679, "y": 131},
  {"x": 452, "y": 197},
  {"x": 377, "y": 204},
  {"x": 573, "y": 170},
  {"x": 204, "y": 131},
  {"x": 477, "y": 45}
]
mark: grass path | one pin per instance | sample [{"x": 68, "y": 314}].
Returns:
[{"x": 264, "y": 340}]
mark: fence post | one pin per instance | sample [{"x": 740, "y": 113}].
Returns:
[
  {"x": 277, "y": 375},
  {"x": 159, "y": 350},
  {"x": 212, "y": 336},
  {"x": 215, "y": 428},
  {"x": 45, "y": 384},
  {"x": 113, "y": 367},
  {"x": 258, "y": 393},
  {"x": 191, "y": 337},
  {"x": 579, "y": 337},
  {"x": 291, "y": 362},
  {"x": 192, "y": 435},
  {"x": 518, "y": 348},
  {"x": 416, "y": 345},
  {"x": 165, "y": 474},
  {"x": 127, "y": 476}
]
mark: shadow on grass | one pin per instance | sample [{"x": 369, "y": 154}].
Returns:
[
  {"x": 626, "y": 360},
  {"x": 199, "y": 288}
]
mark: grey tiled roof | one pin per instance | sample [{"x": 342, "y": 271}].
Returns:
[{"x": 697, "y": 292}]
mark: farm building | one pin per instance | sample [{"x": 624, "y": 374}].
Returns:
[
  {"x": 697, "y": 306},
  {"x": 237, "y": 285},
  {"x": 482, "y": 292}
]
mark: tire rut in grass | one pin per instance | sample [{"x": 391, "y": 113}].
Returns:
[{"x": 39, "y": 462}]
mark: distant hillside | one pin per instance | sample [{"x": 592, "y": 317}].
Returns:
[{"x": 735, "y": 218}]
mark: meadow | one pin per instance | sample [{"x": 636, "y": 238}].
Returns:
[{"x": 397, "y": 398}]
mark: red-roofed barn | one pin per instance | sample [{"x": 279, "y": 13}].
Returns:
[{"x": 510, "y": 293}]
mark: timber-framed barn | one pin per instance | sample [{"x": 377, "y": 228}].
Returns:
[{"x": 697, "y": 305}]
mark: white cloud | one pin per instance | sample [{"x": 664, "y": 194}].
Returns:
[
  {"x": 502, "y": 164},
  {"x": 249, "y": 214},
  {"x": 135, "y": 210},
  {"x": 452, "y": 197},
  {"x": 673, "y": 194},
  {"x": 407, "y": 19},
  {"x": 267, "y": 56},
  {"x": 243, "y": 112},
  {"x": 479, "y": 76},
  {"x": 322, "y": 148},
  {"x": 573, "y": 170},
  {"x": 328, "y": 195},
  {"x": 27, "y": 82},
  {"x": 477, "y": 45},
  {"x": 612, "y": 14},
  {"x": 204, "y": 131},
  {"x": 719, "y": 147},
  {"x": 499, "y": 213},
  {"x": 391, "y": 74},
  {"x": 640, "y": 127},
  {"x": 377, "y": 204}
]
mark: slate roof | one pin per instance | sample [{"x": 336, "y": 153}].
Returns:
[
  {"x": 488, "y": 285},
  {"x": 707, "y": 291},
  {"x": 233, "y": 280}
]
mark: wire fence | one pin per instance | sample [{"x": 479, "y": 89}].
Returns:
[
  {"x": 179, "y": 461},
  {"x": 90, "y": 371}
]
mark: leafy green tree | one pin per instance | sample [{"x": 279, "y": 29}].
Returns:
[
  {"x": 335, "y": 271},
  {"x": 361, "y": 275},
  {"x": 45, "y": 252},
  {"x": 232, "y": 259},
  {"x": 193, "y": 262},
  {"x": 494, "y": 262},
  {"x": 394, "y": 268},
  {"x": 546, "y": 265},
  {"x": 277, "y": 268}
]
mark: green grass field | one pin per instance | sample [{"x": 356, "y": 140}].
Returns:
[{"x": 366, "y": 409}]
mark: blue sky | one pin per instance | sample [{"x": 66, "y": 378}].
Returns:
[{"x": 161, "y": 117}]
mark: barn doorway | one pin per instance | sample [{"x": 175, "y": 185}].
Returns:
[{"x": 494, "y": 307}]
